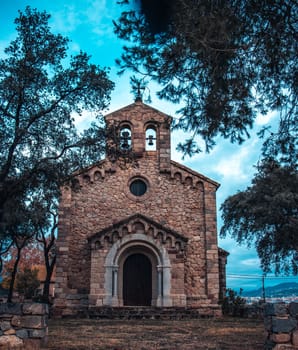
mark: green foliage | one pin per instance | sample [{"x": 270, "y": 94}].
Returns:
[
  {"x": 233, "y": 304},
  {"x": 40, "y": 146},
  {"x": 223, "y": 61},
  {"x": 27, "y": 282},
  {"x": 266, "y": 215}
]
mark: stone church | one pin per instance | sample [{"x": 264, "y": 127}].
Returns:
[{"x": 141, "y": 233}]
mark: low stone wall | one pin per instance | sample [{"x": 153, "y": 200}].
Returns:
[
  {"x": 281, "y": 323},
  {"x": 23, "y": 326}
]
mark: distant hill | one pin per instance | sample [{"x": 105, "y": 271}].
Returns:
[{"x": 278, "y": 291}]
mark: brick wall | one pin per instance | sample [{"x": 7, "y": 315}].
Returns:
[
  {"x": 281, "y": 323},
  {"x": 23, "y": 326}
]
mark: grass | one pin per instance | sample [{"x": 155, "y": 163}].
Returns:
[{"x": 201, "y": 334}]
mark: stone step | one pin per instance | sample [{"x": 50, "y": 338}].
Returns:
[{"x": 163, "y": 313}]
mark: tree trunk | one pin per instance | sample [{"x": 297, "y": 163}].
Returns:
[
  {"x": 13, "y": 276},
  {"x": 47, "y": 282}
]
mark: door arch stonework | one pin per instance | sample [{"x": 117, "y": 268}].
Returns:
[
  {"x": 137, "y": 235},
  {"x": 161, "y": 269}
]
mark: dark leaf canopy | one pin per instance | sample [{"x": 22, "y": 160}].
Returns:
[
  {"x": 223, "y": 61},
  {"x": 40, "y": 89},
  {"x": 266, "y": 215}
]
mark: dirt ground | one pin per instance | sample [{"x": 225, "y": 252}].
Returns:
[{"x": 202, "y": 334}]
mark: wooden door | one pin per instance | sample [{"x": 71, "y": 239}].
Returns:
[{"x": 137, "y": 280}]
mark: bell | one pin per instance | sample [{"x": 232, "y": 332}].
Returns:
[
  {"x": 124, "y": 144},
  {"x": 125, "y": 137},
  {"x": 150, "y": 140}
]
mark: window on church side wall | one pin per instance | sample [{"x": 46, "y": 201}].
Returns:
[
  {"x": 150, "y": 139},
  {"x": 125, "y": 138}
]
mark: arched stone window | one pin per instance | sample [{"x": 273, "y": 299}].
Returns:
[
  {"x": 125, "y": 138},
  {"x": 150, "y": 139}
]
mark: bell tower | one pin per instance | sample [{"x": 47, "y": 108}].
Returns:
[{"x": 144, "y": 131}]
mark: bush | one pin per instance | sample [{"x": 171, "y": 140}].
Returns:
[
  {"x": 233, "y": 304},
  {"x": 27, "y": 282}
]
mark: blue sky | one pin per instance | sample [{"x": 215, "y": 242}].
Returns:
[{"x": 88, "y": 24}]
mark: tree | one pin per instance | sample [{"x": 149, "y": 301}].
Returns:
[
  {"x": 222, "y": 61},
  {"x": 20, "y": 243},
  {"x": 35, "y": 250},
  {"x": 39, "y": 143},
  {"x": 28, "y": 282},
  {"x": 266, "y": 215},
  {"x": 46, "y": 236},
  {"x": 23, "y": 254}
]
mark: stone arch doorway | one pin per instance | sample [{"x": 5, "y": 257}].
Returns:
[
  {"x": 137, "y": 280},
  {"x": 117, "y": 255},
  {"x": 137, "y": 275}
]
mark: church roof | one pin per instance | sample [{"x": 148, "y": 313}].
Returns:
[
  {"x": 195, "y": 173},
  {"x": 134, "y": 105}
]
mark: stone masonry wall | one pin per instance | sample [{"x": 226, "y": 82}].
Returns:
[
  {"x": 171, "y": 201},
  {"x": 177, "y": 198},
  {"x": 281, "y": 323},
  {"x": 23, "y": 326}
]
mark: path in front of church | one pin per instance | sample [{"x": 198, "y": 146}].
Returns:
[{"x": 201, "y": 334}]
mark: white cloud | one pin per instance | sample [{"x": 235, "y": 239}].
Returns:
[
  {"x": 99, "y": 16},
  {"x": 66, "y": 20},
  {"x": 82, "y": 121},
  {"x": 95, "y": 10},
  {"x": 75, "y": 47},
  {"x": 266, "y": 119},
  {"x": 251, "y": 262},
  {"x": 234, "y": 165}
]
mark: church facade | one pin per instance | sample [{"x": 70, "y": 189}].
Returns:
[{"x": 139, "y": 233}]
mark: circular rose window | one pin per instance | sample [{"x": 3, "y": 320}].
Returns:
[{"x": 138, "y": 187}]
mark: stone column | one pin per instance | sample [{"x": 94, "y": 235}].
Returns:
[
  {"x": 159, "y": 301},
  {"x": 62, "y": 243},
  {"x": 166, "y": 283},
  {"x": 212, "y": 265},
  {"x": 115, "y": 300}
]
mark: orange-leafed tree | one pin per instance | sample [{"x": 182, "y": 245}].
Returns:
[
  {"x": 35, "y": 250},
  {"x": 23, "y": 255}
]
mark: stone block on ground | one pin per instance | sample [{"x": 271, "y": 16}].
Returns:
[
  {"x": 35, "y": 309},
  {"x": 293, "y": 309},
  {"x": 10, "y": 309},
  {"x": 283, "y": 325},
  {"x": 285, "y": 347},
  {"x": 281, "y": 337},
  {"x": 295, "y": 338},
  {"x": 4, "y": 325},
  {"x": 11, "y": 342},
  {"x": 22, "y": 333},
  {"x": 36, "y": 322},
  {"x": 278, "y": 309}
]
